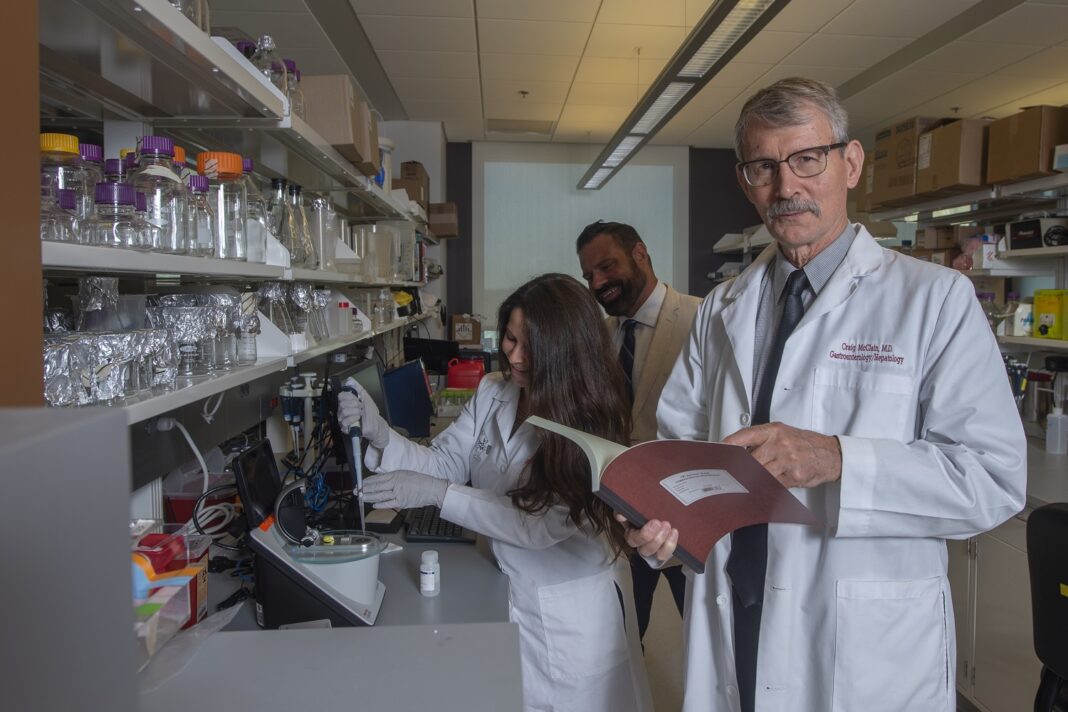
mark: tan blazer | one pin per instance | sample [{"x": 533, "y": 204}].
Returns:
[{"x": 672, "y": 329}]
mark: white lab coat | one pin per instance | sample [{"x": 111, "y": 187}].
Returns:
[
  {"x": 577, "y": 654},
  {"x": 896, "y": 358}
]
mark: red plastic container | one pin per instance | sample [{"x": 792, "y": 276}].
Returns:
[{"x": 465, "y": 374}]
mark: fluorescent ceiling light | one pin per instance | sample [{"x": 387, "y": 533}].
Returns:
[{"x": 725, "y": 28}]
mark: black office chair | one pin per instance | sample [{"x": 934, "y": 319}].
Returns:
[{"x": 1047, "y": 559}]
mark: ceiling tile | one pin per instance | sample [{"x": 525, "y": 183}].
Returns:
[
  {"x": 549, "y": 10},
  {"x": 444, "y": 110},
  {"x": 900, "y": 93},
  {"x": 973, "y": 57},
  {"x": 1054, "y": 96},
  {"x": 318, "y": 61},
  {"x": 830, "y": 75},
  {"x": 538, "y": 92},
  {"x": 718, "y": 131},
  {"x": 900, "y": 18},
  {"x": 593, "y": 132},
  {"x": 671, "y": 13},
  {"x": 593, "y": 114},
  {"x": 530, "y": 37},
  {"x": 619, "y": 70},
  {"x": 515, "y": 109},
  {"x": 621, "y": 40},
  {"x": 289, "y": 29},
  {"x": 450, "y": 65},
  {"x": 429, "y": 34},
  {"x": 739, "y": 74},
  {"x": 695, "y": 10},
  {"x": 770, "y": 47},
  {"x": 624, "y": 95},
  {"x": 1052, "y": 62},
  {"x": 463, "y": 131},
  {"x": 1037, "y": 25},
  {"x": 252, "y": 5},
  {"x": 437, "y": 90},
  {"x": 826, "y": 50},
  {"x": 424, "y": 8},
  {"x": 807, "y": 15},
  {"x": 977, "y": 97},
  {"x": 535, "y": 67}
]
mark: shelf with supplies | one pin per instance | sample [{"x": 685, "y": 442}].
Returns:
[
  {"x": 191, "y": 86},
  {"x": 1033, "y": 344},
  {"x": 1000, "y": 201},
  {"x": 734, "y": 243}
]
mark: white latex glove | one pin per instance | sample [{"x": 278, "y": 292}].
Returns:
[
  {"x": 403, "y": 490},
  {"x": 361, "y": 411}
]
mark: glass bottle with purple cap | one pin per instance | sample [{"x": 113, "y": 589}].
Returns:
[
  {"x": 93, "y": 165},
  {"x": 113, "y": 222},
  {"x": 201, "y": 227},
  {"x": 164, "y": 190},
  {"x": 148, "y": 234}
]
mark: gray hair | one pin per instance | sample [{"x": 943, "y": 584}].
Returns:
[{"x": 787, "y": 102}]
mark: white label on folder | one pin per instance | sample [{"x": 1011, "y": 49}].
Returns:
[{"x": 694, "y": 485}]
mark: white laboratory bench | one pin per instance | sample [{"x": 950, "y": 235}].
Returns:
[{"x": 455, "y": 651}]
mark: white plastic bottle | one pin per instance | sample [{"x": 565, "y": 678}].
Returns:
[
  {"x": 1056, "y": 432},
  {"x": 429, "y": 574}
]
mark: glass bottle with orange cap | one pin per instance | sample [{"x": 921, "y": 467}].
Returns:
[{"x": 228, "y": 200}]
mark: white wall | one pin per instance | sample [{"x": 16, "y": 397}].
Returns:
[
  {"x": 423, "y": 141},
  {"x": 525, "y": 195}
]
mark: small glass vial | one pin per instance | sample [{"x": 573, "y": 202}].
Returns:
[
  {"x": 429, "y": 574},
  {"x": 201, "y": 227}
]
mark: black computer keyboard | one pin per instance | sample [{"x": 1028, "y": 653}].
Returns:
[{"x": 426, "y": 524}]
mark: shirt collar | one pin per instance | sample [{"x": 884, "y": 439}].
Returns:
[
  {"x": 649, "y": 311},
  {"x": 820, "y": 268}
]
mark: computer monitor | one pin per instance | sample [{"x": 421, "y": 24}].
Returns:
[
  {"x": 369, "y": 375},
  {"x": 408, "y": 395},
  {"x": 258, "y": 481},
  {"x": 435, "y": 353}
]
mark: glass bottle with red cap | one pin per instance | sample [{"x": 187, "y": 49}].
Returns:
[{"x": 229, "y": 201}]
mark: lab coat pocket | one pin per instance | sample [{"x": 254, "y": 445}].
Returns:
[
  {"x": 583, "y": 623},
  {"x": 891, "y": 646},
  {"x": 864, "y": 404}
]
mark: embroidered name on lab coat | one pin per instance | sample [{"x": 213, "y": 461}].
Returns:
[{"x": 866, "y": 353}]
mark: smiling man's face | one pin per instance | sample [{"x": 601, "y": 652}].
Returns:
[{"x": 619, "y": 280}]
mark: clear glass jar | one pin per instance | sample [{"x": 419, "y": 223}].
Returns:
[
  {"x": 148, "y": 233},
  {"x": 295, "y": 95},
  {"x": 112, "y": 172},
  {"x": 93, "y": 165},
  {"x": 201, "y": 227},
  {"x": 246, "y": 340},
  {"x": 165, "y": 192},
  {"x": 270, "y": 63},
  {"x": 284, "y": 223},
  {"x": 128, "y": 159},
  {"x": 256, "y": 222},
  {"x": 323, "y": 232},
  {"x": 228, "y": 200},
  {"x": 61, "y": 166},
  {"x": 300, "y": 218},
  {"x": 59, "y": 219},
  {"x": 383, "y": 309},
  {"x": 113, "y": 222},
  {"x": 181, "y": 168}
]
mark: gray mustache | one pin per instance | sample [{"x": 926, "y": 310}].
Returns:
[{"x": 781, "y": 207}]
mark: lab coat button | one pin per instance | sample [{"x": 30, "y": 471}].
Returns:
[
  {"x": 745, "y": 419},
  {"x": 721, "y": 600},
  {"x": 731, "y": 690}
]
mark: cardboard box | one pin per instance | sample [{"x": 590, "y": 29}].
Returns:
[
  {"x": 861, "y": 195},
  {"x": 952, "y": 158},
  {"x": 944, "y": 257},
  {"x": 372, "y": 159},
  {"x": 1021, "y": 146},
  {"x": 414, "y": 171},
  {"x": 444, "y": 219},
  {"x": 991, "y": 285},
  {"x": 415, "y": 189},
  {"x": 333, "y": 108},
  {"x": 936, "y": 238},
  {"x": 894, "y": 175},
  {"x": 1060, "y": 158},
  {"x": 466, "y": 329}
]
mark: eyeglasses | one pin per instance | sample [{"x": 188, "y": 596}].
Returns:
[{"x": 805, "y": 163}]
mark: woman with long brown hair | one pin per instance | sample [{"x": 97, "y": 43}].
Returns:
[{"x": 529, "y": 494}]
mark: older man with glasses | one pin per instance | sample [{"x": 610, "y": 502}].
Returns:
[{"x": 870, "y": 384}]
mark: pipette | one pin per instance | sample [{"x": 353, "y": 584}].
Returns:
[{"x": 356, "y": 461}]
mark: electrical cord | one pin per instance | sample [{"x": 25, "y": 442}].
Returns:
[
  {"x": 164, "y": 424},
  {"x": 215, "y": 533},
  {"x": 207, "y": 415}
]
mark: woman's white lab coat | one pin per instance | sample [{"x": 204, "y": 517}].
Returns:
[
  {"x": 896, "y": 358},
  {"x": 573, "y": 605}
]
